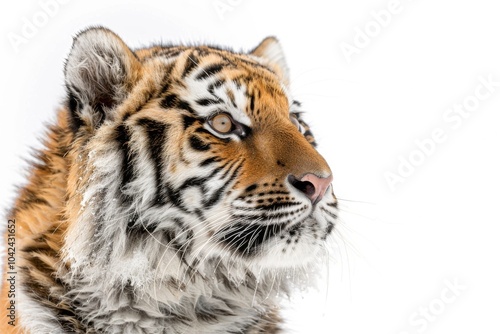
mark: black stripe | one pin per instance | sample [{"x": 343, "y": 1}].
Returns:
[
  {"x": 331, "y": 214},
  {"x": 166, "y": 85},
  {"x": 157, "y": 138},
  {"x": 237, "y": 82},
  {"x": 199, "y": 181},
  {"x": 138, "y": 230},
  {"x": 209, "y": 71},
  {"x": 190, "y": 64},
  {"x": 203, "y": 130},
  {"x": 246, "y": 238},
  {"x": 252, "y": 102},
  {"x": 66, "y": 317},
  {"x": 127, "y": 170},
  {"x": 308, "y": 133},
  {"x": 228, "y": 168},
  {"x": 197, "y": 144},
  {"x": 216, "y": 84},
  {"x": 215, "y": 198},
  {"x": 182, "y": 241},
  {"x": 233, "y": 102},
  {"x": 31, "y": 196},
  {"x": 41, "y": 266},
  {"x": 42, "y": 248},
  {"x": 169, "y": 101},
  {"x": 187, "y": 121},
  {"x": 171, "y": 52},
  {"x": 329, "y": 228},
  {"x": 132, "y": 221},
  {"x": 75, "y": 122},
  {"x": 174, "y": 197},
  {"x": 184, "y": 105},
  {"x": 193, "y": 182},
  {"x": 208, "y": 161},
  {"x": 207, "y": 102},
  {"x": 42, "y": 291}
]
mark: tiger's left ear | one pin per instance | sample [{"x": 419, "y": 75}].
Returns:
[
  {"x": 270, "y": 50},
  {"x": 99, "y": 73}
]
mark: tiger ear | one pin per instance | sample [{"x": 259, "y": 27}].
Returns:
[
  {"x": 99, "y": 73},
  {"x": 270, "y": 49}
]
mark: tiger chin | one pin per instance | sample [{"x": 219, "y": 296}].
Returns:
[{"x": 179, "y": 191}]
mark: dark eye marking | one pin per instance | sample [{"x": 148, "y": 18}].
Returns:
[{"x": 197, "y": 144}]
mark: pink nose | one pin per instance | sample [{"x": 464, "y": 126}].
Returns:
[{"x": 311, "y": 185}]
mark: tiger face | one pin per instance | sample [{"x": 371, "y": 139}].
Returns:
[{"x": 199, "y": 150}]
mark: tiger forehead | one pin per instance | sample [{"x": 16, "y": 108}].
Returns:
[
  {"x": 197, "y": 55},
  {"x": 220, "y": 80}
]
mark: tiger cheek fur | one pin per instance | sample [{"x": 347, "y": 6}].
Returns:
[{"x": 188, "y": 189}]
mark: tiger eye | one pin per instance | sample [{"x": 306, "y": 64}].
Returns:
[{"x": 222, "y": 123}]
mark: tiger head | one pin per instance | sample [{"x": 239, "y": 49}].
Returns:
[{"x": 196, "y": 150}]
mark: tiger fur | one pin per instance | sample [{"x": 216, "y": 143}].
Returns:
[{"x": 179, "y": 191}]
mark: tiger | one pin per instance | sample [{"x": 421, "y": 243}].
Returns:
[{"x": 179, "y": 190}]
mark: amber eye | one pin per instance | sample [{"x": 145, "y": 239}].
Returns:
[{"x": 222, "y": 123}]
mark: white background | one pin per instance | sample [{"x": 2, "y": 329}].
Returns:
[{"x": 396, "y": 248}]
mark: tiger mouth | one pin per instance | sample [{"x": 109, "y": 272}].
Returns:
[{"x": 247, "y": 238}]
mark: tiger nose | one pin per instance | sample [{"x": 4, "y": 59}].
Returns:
[{"x": 314, "y": 187}]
